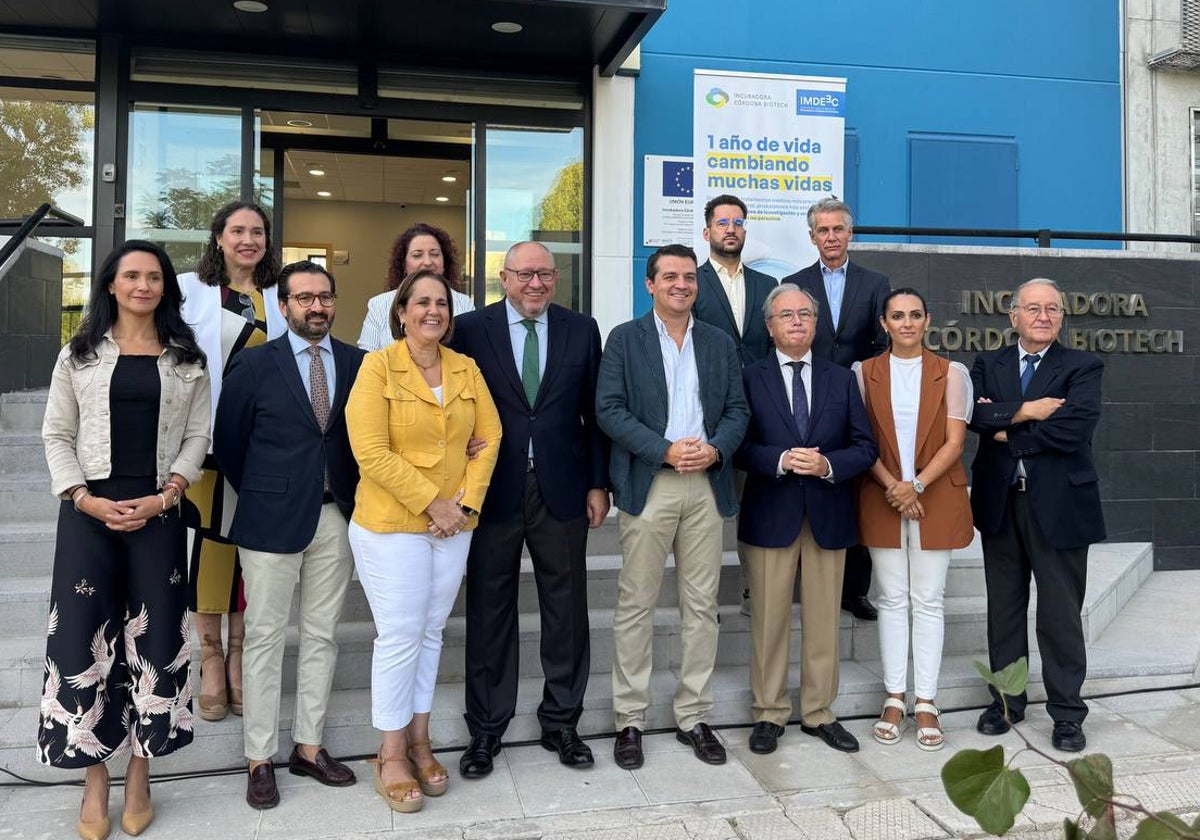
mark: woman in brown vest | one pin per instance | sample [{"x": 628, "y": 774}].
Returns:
[{"x": 913, "y": 510}]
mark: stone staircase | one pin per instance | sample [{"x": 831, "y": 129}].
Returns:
[{"x": 27, "y": 517}]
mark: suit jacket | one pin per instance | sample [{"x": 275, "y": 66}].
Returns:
[
  {"x": 561, "y": 422},
  {"x": 712, "y": 306},
  {"x": 412, "y": 449},
  {"x": 268, "y": 444},
  {"x": 859, "y": 335},
  {"x": 947, "y": 522},
  {"x": 631, "y": 408},
  {"x": 838, "y": 424},
  {"x": 1057, "y": 451}
]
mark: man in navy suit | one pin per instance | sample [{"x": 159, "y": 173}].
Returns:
[
  {"x": 809, "y": 437},
  {"x": 670, "y": 397},
  {"x": 280, "y": 438},
  {"x": 1036, "y": 501},
  {"x": 848, "y": 330},
  {"x": 540, "y": 361}
]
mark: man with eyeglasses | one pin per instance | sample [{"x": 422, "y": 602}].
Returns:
[
  {"x": 549, "y": 487},
  {"x": 280, "y": 438},
  {"x": 1035, "y": 496},
  {"x": 851, "y": 300},
  {"x": 809, "y": 438}
]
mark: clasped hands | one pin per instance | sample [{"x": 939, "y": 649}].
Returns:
[
  {"x": 805, "y": 460},
  {"x": 446, "y": 517},
  {"x": 690, "y": 454},
  {"x": 126, "y": 516},
  {"x": 904, "y": 497}
]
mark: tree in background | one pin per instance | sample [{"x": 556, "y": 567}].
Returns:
[
  {"x": 43, "y": 152},
  {"x": 562, "y": 208}
]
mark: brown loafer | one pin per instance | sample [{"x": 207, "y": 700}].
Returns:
[
  {"x": 703, "y": 743},
  {"x": 628, "y": 748},
  {"x": 325, "y": 769},
  {"x": 261, "y": 792}
]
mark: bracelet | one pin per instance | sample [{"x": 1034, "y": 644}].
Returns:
[
  {"x": 163, "y": 499},
  {"x": 79, "y": 497}
]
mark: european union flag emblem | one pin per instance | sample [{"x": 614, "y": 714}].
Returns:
[{"x": 677, "y": 178}]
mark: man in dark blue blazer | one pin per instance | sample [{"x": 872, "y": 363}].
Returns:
[
  {"x": 670, "y": 397},
  {"x": 549, "y": 486},
  {"x": 1035, "y": 497},
  {"x": 848, "y": 330},
  {"x": 280, "y": 438},
  {"x": 809, "y": 437}
]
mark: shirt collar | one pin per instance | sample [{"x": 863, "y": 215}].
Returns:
[
  {"x": 300, "y": 345},
  {"x": 1022, "y": 352},
  {"x": 827, "y": 271},
  {"x": 515, "y": 317},
  {"x": 661, "y": 325},
  {"x": 783, "y": 359},
  {"x": 722, "y": 271}
]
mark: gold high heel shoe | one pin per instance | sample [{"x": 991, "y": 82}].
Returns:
[
  {"x": 396, "y": 795},
  {"x": 429, "y": 785},
  {"x": 235, "y": 694},
  {"x": 94, "y": 829},
  {"x": 212, "y": 706},
  {"x": 135, "y": 824}
]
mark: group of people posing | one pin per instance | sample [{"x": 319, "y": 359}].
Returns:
[{"x": 215, "y": 447}]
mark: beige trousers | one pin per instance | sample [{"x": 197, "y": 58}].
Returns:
[
  {"x": 772, "y": 577},
  {"x": 681, "y": 516},
  {"x": 323, "y": 571}
]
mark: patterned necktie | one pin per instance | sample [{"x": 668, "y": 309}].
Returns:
[
  {"x": 799, "y": 399},
  {"x": 319, "y": 394},
  {"x": 1031, "y": 360},
  {"x": 531, "y": 378}
]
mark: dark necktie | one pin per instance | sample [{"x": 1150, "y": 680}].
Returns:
[
  {"x": 1030, "y": 360},
  {"x": 530, "y": 377},
  {"x": 319, "y": 394},
  {"x": 799, "y": 399}
]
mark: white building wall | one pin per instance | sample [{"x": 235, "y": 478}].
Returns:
[{"x": 612, "y": 201}]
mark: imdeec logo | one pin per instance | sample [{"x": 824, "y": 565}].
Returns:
[{"x": 717, "y": 98}]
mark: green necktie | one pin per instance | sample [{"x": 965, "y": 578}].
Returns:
[{"x": 530, "y": 377}]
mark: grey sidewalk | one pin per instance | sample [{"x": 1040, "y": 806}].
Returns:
[{"x": 804, "y": 790}]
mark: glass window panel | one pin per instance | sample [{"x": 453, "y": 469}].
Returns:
[
  {"x": 535, "y": 191},
  {"x": 47, "y": 142},
  {"x": 76, "y": 278},
  {"x": 184, "y": 164}
]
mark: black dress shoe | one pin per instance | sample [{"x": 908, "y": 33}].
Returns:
[
  {"x": 628, "y": 748},
  {"x": 1068, "y": 736},
  {"x": 569, "y": 746},
  {"x": 703, "y": 743},
  {"x": 993, "y": 722},
  {"x": 476, "y": 762},
  {"x": 764, "y": 737},
  {"x": 325, "y": 769},
  {"x": 833, "y": 734},
  {"x": 261, "y": 792},
  {"x": 859, "y": 607}
]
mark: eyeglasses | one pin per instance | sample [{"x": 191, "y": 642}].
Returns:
[
  {"x": 724, "y": 224},
  {"x": 307, "y": 299},
  {"x": 247, "y": 303},
  {"x": 526, "y": 276},
  {"x": 1033, "y": 310},
  {"x": 790, "y": 316}
]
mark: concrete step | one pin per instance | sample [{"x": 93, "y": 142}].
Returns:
[
  {"x": 22, "y": 411},
  {"x": 22, "y": 453},
  {"x": 25, "y": 497},
  {"x": 26, "y": 548}
]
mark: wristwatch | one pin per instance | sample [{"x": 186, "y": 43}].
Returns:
[
  {"x": 468, "y": 511},
  {"x": 918, "y": 485}
]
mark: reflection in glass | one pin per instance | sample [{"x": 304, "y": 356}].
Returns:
[
  {"x": 76, "y": 278},
  {"x": 535, "y": 191},
  {"x": 46, "y": 151}
]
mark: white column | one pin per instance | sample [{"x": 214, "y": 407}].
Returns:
[{"x": 612, "y": 200}]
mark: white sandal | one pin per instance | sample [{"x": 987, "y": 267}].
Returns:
[
  {"x": 929, "y": 738},
  {"x": 888, "y": 733}
]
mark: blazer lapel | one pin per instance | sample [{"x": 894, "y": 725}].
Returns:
[
  {"x": 772, "y": 376},
  {"x": 556, "y": 338},
  {"x": 879, "y": 394},
  {"x": 1008, "y": 374},
  {"x": 933, "y": 392},
  {"x": 286, "y": 362},
  {"x": 1047, "y": 371},
  {"x": 653, "y": 360},
  {"x": 850, "y": 289},
  {"x": 498, "y": 335},
  {"x": 341, "y": 364},
  {"x": 408, "y": 375},
  {"x": 817, "y": 288},
  {"x": 820, "y": 385},
  {"x": 711, "y": 286},
  {"x": 454, "y": 376}
]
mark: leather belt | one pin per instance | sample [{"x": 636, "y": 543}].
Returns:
[{"x": 1021, "y": 484}]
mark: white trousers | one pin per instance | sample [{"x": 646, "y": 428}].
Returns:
[
  {"x": 904, "y": 576},
  {"x": 410, "y": 581}
]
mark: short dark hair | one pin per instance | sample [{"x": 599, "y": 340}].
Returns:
[
  {"x": 714, "y": 203},
  {"x": 404, "y": 294},
  {"x": 903, "y": 290},
  {"x": 302, "y": 267},
  {"x": 668, "y": 251}
]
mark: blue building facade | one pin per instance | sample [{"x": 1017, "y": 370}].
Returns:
[{"x": 958, "y": 115}]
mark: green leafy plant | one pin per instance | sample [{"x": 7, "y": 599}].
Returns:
[{"x": 984, "y": 786}]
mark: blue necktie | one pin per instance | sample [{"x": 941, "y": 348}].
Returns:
[
  {"x": 799, "y": 400},
  {"x": 1031, "y": 360}
]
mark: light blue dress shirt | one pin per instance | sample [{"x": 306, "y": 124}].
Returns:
[
  {"x": 304, "y": 361},
  {"x": 835, "y": 289},
  {"x": 685, "y": 414}
]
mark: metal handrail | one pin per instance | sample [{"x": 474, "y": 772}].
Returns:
[
  {"x": 1042, "y": 236},
  {"x": 30, "y": 224}
]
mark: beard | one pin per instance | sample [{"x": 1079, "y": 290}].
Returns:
[
  {"x": 311, "y": 326},
  {"x": 719, "y": 246}
]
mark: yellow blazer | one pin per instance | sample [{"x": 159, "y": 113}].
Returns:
[{"x": 410, "y": 449}]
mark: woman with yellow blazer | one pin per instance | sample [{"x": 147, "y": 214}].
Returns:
[
  {"x": 410, "y": 414},
  {"x": 913, "y": 509}
]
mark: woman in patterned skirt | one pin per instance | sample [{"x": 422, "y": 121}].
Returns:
[
  {"x": 126, "y": 429},
  {"x": 223, "y": 303}
]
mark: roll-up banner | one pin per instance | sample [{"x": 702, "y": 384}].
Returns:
[{"x": 777, "y": 143}]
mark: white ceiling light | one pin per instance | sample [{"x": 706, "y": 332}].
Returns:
[
  {"x": 441, "y": 198},
  {"x": 300, "y": 123},
  {"x": 507, "y": 27},
  {"x": 449, "y": 179},
  {"x": 249, "y": 6},
  {"x": 316, "y": 172},
  {"x": 324, "y": 193}
]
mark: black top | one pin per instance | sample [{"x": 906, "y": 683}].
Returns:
[{"x": 133, "y": 397}]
